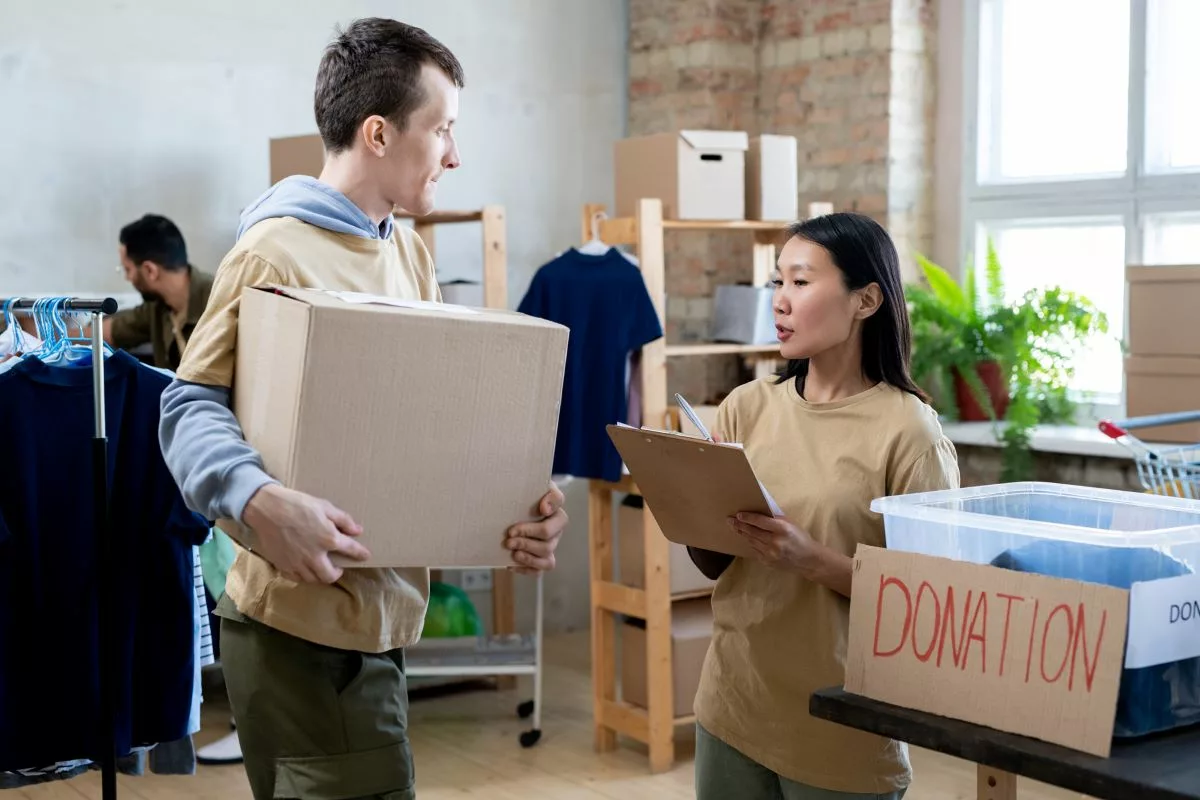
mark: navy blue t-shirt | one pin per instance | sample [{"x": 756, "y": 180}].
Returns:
[
  {"x": 603, "y": 301},
  {"x": 49, "y": 646},
  {"x": 1150, "y": 699}
]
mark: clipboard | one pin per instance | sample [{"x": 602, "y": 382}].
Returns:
[{"x": 692, "y": 486}]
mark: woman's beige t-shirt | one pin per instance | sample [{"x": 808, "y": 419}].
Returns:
[{"x": 778, "y": 637}]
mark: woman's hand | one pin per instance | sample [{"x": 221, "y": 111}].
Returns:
[
  {"x": 782, "y": 545},
  {"x": 777, "y": 541}
]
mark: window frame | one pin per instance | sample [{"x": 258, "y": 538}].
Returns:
[{"x": 1131, "y": 196}]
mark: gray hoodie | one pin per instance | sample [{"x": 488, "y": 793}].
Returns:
[{"x": 202, "y": 443}]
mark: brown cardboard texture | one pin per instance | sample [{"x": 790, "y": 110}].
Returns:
[
  {"x": 432, "y": 425},
  {"x": 686, "y": 577},
  {"x": 296, "y": 155},
  {"x": 692, "y": 486},
  {"x": 1163, "y": 386},
  {"x": 1022, "y": 653},
  {"x": 772, "y": 179},
  {"x": 691, "y": 634},
  {"x": 696, "y": 174},
  {"x": 1162, "y": 311}
]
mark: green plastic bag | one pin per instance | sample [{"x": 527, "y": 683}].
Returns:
[
  {"x": 450, "y": 613},
  {"x": 216, "y": 557}
]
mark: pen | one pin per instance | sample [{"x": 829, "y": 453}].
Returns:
[{"x": 687, "y": 409}]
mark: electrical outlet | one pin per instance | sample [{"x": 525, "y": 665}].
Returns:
[{"x": 476, "y": 580}]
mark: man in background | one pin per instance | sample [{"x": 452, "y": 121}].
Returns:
[{"x": 154, "y": 260}]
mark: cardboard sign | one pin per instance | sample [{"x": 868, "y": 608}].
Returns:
[{"x": 1022, "y": 653}]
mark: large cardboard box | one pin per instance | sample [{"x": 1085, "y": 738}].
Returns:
[
  {"x": 691, "y": 634},
  {"x": 696, "y": 174},
  {"x": 685, "y": 577},
  {"x": 772, "y": 179},
  {"x": 433, "y": 425},
  {"x": 1162, "y": 310},
  {"x": 1162, "y": 385},
  {"x": 296, "y": 155}
]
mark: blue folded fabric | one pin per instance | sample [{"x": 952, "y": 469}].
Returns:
[{"x": 1150, "y": 699}]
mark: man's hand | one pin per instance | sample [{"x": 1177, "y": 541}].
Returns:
[
  {"x": 533, "y": 543},
  {"x": 297, "y": 533}
]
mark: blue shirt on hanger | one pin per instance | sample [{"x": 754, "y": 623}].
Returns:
[
  {"x": 49, "y": 577},
  {"x": 603, "y": 300}
]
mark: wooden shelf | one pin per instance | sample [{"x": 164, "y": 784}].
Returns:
[
  {"x": 441, "y": 217},
  {"x": 720, "y": 349},
  {"x": 723, "y": 225}
]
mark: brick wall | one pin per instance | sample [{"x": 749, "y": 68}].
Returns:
[{"x": 852, "y": 80}]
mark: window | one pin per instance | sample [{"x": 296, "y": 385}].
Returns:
[{"x": 1083, "y": 152}]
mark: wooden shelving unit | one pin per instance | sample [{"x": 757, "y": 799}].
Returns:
[
  {"x": 655, "y": 725},
  {"x": 495, "y": 295}
]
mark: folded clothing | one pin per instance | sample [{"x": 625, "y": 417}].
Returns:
[{"x": 1150, "y": 699}]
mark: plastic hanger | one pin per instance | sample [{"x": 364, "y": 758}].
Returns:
[
  {"x": 596, "y": 246},
  {"x": 61, "y": 349}
]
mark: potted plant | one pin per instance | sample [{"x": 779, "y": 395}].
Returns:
[{"x": 982, "y": 358}]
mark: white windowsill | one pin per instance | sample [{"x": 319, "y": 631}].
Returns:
[{"x": 1075, "y": 440}]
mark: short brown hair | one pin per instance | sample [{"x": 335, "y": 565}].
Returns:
[{"x": 374, "y": 67}]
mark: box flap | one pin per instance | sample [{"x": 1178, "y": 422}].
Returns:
[
  {"x": 1018, "y": 652},
  {"x": 1182, "y": 273},
  {"x": 716, "y": 140},
  {"x": 1167, "y": 366}
]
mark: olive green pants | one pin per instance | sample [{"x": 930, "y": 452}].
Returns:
[
  {"x": 315, "y": 723},
  {"x": 722, "y": 773}
]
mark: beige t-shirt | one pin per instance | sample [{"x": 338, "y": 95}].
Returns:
[
  {"x": 369, "y": 610},
  {"x": 778, "y": 637}
]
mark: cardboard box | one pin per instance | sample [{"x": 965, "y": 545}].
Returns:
[
  {"x": 685, "y": 576},
  {"x": 691, "y": 634},
  {"x": 434, "y": 426},
  {"x": 772, "y": 179},
  {"x": 296, "y": 155},
  {"x": 1162, "y": 311},
  {"x": 696, "y": 174},
  {"x": 707, "y": 415},
  {"x": 1019, "y": 652},
  {"x": 744, "y": 315},
  {"x": 1163, "y": 386}
]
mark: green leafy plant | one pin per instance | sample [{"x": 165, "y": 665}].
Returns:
[{"x": 1028, "y": 344}]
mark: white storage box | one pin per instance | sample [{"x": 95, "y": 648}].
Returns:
[
  {"x": 1144, "y": 543},
  {"x": 743, "y": 315}
]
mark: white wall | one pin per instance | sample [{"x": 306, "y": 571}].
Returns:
[{"x": 111, "y": 109}]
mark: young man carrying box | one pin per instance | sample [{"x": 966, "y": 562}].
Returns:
[{"x": 313, "y": 654}]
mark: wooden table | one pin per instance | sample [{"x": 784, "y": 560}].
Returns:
[{"x": 1162, "y": 767}]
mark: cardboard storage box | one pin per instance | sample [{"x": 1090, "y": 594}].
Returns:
[
  {"x": 696, "y": 174},
  {"x": 433, "y": 425},
  {"x": 772, "y": 179},
  {"x": 691, "y": 634},
  {"x": 1163, "y": 386},
  {"x": 296, "y": 155},
  {"x": 744, "y": 315},
  {"x": 1162, "y": 310},
  {"x": 685, "y": 577}
]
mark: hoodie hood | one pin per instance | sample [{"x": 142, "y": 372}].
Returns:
[{"x": 308, "y": 200}]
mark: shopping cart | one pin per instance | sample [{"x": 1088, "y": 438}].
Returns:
[{"x": 1172, "y": 471}]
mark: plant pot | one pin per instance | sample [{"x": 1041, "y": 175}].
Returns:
[{"x": 969, "y": 409}]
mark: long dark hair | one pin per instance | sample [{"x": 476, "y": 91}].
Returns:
[{"x": 865, "y": 254}]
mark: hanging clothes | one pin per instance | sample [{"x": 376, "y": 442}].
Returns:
[
  {"x": 49, "y": 639},
  {"x": 603, "y": 300}
]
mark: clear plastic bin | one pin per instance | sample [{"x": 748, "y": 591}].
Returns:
[{"x": 1094, "y": 535}]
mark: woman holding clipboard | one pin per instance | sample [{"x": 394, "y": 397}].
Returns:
[{"x": 842, "y": 425}]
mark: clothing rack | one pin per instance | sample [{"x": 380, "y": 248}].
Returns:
[{"x": 106, "y": 588}]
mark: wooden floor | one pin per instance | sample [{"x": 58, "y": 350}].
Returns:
[{"x": 465, "y": 745}]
